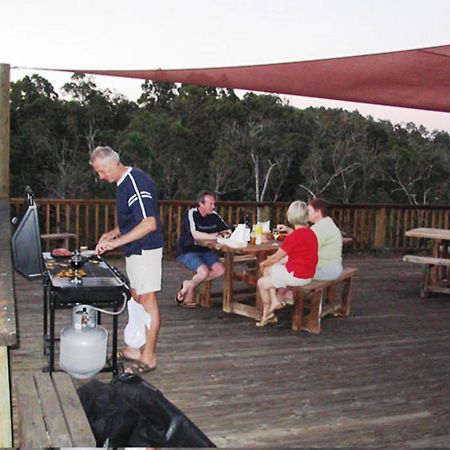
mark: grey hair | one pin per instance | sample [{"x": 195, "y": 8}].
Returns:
[
  {"x": 297, "y": 213},
  {"x": 104, "y": 153}
]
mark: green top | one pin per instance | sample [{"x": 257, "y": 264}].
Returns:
[{"x": 330, "y": 242}]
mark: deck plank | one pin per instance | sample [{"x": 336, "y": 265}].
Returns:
[{"x": 376, "y": 378}]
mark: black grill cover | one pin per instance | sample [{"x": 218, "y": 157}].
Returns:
[{"x": 130, "y": 412}]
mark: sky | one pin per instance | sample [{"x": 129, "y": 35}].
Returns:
[{"x": 177, "y": 34}]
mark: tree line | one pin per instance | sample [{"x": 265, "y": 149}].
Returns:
[{"x": 190, "y": 138}]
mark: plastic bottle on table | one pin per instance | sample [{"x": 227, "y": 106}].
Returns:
[{"x": 258, "y": 234}]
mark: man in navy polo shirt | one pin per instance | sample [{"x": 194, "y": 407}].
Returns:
[
  {"x": 200, "y": 223},
  {"x": 139, "y": 232}
]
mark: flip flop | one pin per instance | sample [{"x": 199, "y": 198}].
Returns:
[
  {"x": 122, "y": 357},
  {"x": 177, "y": 296},
  {"x": 138, "y": 368},
  {"x": 271, "y": 318},
  {"x": 188, "y": 305},
  {"x": 182, "y": 302}
]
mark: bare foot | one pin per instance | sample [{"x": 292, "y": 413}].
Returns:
[
  {"x": 275, "y": 306},
  {"x": 190, "y": 296},
  {"x": 289, "y": 295}
]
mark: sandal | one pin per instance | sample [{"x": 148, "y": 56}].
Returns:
[
  {"x": 121, "y": 356},
  {"x": 179, "y": 298},
  {"x": 271, "y": 318},
  {"x": 189, "y": 305},
  {"x": 182, "y": 302},
  {"x": 138, "y": 368}
]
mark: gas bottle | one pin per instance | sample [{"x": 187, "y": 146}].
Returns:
[{"x": 83, "y": 344}]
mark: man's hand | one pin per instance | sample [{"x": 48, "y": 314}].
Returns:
[
  {"x": 225, "y": 233},
  {"x": 105, "y": 245},
  {"x": 108, "y": 236}
]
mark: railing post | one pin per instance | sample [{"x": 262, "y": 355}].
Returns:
[
  {"x": 4, "y": 131},
  {"x": 380, "y": 229}
]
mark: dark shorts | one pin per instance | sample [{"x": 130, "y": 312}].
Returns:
[{"x": 194, "y": 260}]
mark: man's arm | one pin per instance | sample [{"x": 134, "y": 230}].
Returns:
[
  {"x": 147, "y": 225},
  {"x": 110, "y": 234},
  {"x": 199, "y": 235}
]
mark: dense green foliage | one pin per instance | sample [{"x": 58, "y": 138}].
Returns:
[{"x": 190, "y": 138}]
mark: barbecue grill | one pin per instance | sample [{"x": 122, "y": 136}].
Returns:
[{"x": 101, "y": 284}]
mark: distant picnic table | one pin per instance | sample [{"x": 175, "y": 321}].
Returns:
[{"x": 435, "y": 268}]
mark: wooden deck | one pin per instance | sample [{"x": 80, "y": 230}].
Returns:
[{"x": 379, "y": 378}]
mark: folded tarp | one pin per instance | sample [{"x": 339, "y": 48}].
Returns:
[{"x": 133, "y": 413}]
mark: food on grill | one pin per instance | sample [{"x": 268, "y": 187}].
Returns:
[
  {"x": 70, "y": 273},
  {"x": 61, "y": 252},
  {"x": 95, "y": 259}
]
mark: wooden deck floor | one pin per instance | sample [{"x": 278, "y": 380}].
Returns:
[{"x": 379, "y": 378}]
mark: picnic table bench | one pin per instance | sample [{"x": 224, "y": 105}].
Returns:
[
  {"x": 319, "y": 297},
  {"x": 428, "y": 263},
  {"x": 50, "y": 412}
]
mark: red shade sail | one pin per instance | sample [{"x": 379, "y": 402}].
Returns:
[{"x": 417, "y": 79}]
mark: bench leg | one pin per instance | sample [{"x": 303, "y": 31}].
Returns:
[
  {"x": 205, "y": 296},
  {"x": 297, "y": 313},
  {"x": 425, "y": 281},
  {"x": 330, "y": 298},
  {"x": 311, "y": 322},
  {"x": 346, "y": 297}
]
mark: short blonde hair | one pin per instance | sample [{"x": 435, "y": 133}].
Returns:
[{"x": 297, "y": 213}]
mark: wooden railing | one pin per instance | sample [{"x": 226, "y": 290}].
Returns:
[
  {"x": 8, "y": 326},
  {"x": 373, "y": 227}
]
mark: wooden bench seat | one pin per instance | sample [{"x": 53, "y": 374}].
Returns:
[
  {"x": 50, "y": 412},
  {"x": 429, "y": 260},
  {"x": 319, "y": 297}
]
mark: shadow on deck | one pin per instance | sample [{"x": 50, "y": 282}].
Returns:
[{"x": 380, "y": 377}]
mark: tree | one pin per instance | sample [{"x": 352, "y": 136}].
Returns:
[
  {"x": 331, "y": 164},
  {"x": 417, "y": 171}
]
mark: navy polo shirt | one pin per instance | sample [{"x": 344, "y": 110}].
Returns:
[
  {"x": 193, "y": 220},
  {"x": 137, "y": 199}
]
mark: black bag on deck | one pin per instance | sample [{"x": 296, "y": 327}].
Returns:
[{"x": 131, "y": 412}]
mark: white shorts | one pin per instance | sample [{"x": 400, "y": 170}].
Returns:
[
  {"x": 281, "y": 278},
  {"x": 330, "y": 272},
  {"x": 144, "y": 271}
]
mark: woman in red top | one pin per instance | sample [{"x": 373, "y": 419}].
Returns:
[{"x": 293, "y": 264}]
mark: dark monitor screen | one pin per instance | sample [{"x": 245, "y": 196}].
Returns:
[{"x": 26, "y": 244}]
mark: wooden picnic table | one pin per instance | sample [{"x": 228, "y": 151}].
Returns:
[
  {"x": 231, "y": 300},
  {"x": 435, "y": 268}
]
